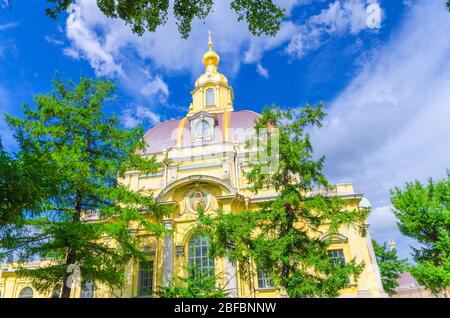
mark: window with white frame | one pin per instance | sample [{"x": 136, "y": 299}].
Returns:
[
  {"x": 26, "y": 292},
  {"x": 264, "y": 280},
  {"x": 200, "y": 260},
  {"x": 337, "y": 256},
  {"x": 145, "y": 279},
  {"x": 87, "y": 289},
  {"x": 210, "y": 98}
]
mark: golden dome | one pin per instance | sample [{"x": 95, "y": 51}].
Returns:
[
  {"x": 211, "y": 81},
  {"x": 211, "y": 58}
]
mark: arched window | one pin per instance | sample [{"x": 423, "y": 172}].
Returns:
[
  {"x": 26, "y": 292},
  {"x": 87, "y": 289},
  {"x": 210, "y": 100},
  {"x": 200, "y": 260}
]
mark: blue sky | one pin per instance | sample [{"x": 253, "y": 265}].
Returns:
[{"x": 386, "y": 89}]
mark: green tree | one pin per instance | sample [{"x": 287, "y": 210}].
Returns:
[
  {"x": 87, "y": 152},
  {"x": 24, "y": 182},
  {"x": 390, "y": 266},
  {"x": 194, "y": 285},
  {"x": 285, "y": 236},
  {"x": 262, "y": 16},
  {"x": 11, "y": 190},
  {"x": 424, "y": 214}
]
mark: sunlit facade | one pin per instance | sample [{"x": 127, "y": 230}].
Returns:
[{"x": 205, "y": 156}]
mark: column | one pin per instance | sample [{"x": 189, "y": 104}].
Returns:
[
  {"x": 374, "y": 267},
  {"x": 167, "y": 268},
  {"x": 231, "y": 278}
]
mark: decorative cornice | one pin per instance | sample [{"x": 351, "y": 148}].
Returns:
[
  {"x": 200, "y": 166},
  {"x": 196, "y": 178}
]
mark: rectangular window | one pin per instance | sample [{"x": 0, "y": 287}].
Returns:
[
  {"x": 337, "y": 256},
  {"x": 264, "y": 280},
  {"x": 145, "y": 279},
  {"x": 87, "y": 289},
  {"x": 210, "y": 97},
  {"x": 338, "y": 259}
]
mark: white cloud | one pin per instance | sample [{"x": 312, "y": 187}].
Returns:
[
  {"x": 288, "y": 5},
  {"x": 7, "y": 26},
  {"x": 6, "y": 136},
  {"x": 113, "y": 50},
  {"x": 304, "y": 40},
  {"x": 7, "y": 52},
  {"x": 51, "y": 40},
  {"x": 342, "y": 16},
  {"x": 5, "y": 3},
  {"x": 106, "y": 43},
  {"x": 383, "y": 228},
  {"x": 259, "y": 45},
  {"x": 7, "y": 45},
  {"x": 155, "y": 87},
  {"x": 383, "y": 218},
  {"x": 80, "y": 29},
  {"x": 71, "y": 52},
  {"x": 262, "y": 71},
  {"x": 390, "y": 125},
  {"x": 135, "y": 115}
]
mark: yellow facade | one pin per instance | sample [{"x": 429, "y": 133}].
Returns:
[{"x": 204, "y": 161}]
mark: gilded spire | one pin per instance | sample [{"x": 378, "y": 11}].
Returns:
[
  {"x": 210, "y": 43},
  {"x": 212, "y": 93},
  {"x": 211, "y": 58}
]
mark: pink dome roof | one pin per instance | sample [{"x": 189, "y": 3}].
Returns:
[{"x": 164, "y": 135}]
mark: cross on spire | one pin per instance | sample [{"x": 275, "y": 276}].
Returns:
[{"x": 210, "y": 43}]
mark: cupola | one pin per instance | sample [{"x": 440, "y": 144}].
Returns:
[{"x": 211, "y": 94}]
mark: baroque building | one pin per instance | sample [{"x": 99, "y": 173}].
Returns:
[{"x": 204, "y": 157}]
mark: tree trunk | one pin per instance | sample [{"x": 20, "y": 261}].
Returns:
[
  {"x": 71, "y": 256},
  {"x": 288, "y": 226},
  {"x": 70, "y": 259}
]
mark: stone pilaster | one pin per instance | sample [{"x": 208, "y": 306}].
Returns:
[
  {"x": 167, "y": 269},
  {"x": 231, "y": 278},
  {"x": 375, "y": 269}
]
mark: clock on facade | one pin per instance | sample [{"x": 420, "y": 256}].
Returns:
[{"x": 202, "y": 128}]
